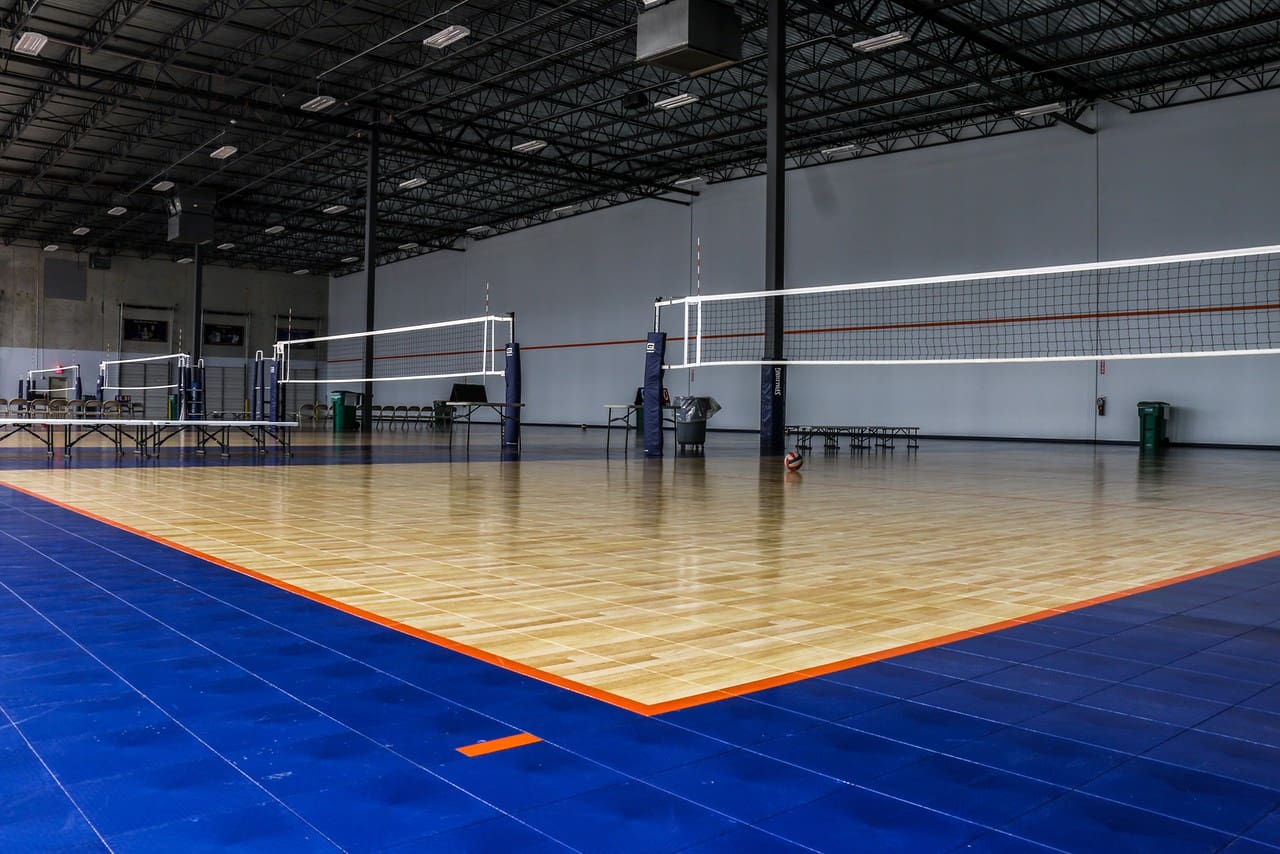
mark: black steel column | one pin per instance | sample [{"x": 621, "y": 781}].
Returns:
[
  {"x": 188, "y": 405},
  {"x": 773, "y": 386},
  {"x": 370, "y": 275}
]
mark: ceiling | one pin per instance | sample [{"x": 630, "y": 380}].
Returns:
[{"x": 127, "y": 94}]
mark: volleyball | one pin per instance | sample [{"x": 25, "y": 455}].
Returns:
[{"x": 793, "y": 461}]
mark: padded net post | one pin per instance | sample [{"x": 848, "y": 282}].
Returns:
[
  {"x": 511, "y": 414},
  {"x": 655, "y": 351}
]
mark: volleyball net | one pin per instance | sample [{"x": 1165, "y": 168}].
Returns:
[
  {"x": 1203, "y": 304},
  {"x": 470, "y": 347},
  {"x": 57, "y": 383},
  {"x": 143, "y": 374}
]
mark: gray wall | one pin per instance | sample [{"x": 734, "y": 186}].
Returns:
[
  {"x": 39, "y": 332},
  {"x": 1198, "y": 177}
]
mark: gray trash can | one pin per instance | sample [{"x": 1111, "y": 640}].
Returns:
[{"x": 691, "y": 419}]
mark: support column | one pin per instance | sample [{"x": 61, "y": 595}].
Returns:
[
  {"x": 370, "y": 274},
  {"x": 197, "y": 306},
  {"x": 773, "y": 380}
]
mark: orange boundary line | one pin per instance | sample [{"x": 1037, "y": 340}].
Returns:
[
  {"x": 634, "y": 706},
  {"x": 481, "y": 748}
]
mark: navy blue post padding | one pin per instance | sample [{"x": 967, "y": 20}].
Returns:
[
  {"x": 186, "y": 409},
  {"x": 79, "y": 387},
  {"x": 100, "y": 388},
  {"x": 511, "y": 414},
  {"x": 255, "y": 392},
  {"x": 22, "y": 389},
  {"x": 773, "y": 410},
  {"x": 655, "y": 352},
  {"x": 274, "y": 403},
  {"x": 197, "y": 392}
]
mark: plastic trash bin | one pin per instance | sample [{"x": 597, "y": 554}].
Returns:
[
  {"x": 692, "y": 414},
  {"x": 1153, "y": 424},
  {"x": 343, "y": 404}
]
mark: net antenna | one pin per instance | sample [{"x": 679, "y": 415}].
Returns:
[
  {"x": 143, "y": 374},
  {"x": 1224, "y": 303},
  {"x": 57, "y": 383},
  {"x": 469, "y": 347}
]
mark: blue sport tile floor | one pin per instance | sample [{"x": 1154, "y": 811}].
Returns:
[{"x": 150, "y": 701}]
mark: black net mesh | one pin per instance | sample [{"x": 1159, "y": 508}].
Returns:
[{"x": 1215, "y": 305}]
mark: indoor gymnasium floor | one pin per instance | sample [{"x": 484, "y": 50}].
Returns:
[{"x": 996, "y": 646}]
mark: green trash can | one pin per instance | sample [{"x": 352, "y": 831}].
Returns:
[
  {"x": 343, "y": 404},
  {"x": 171, "y": 412},
  {"x": 1153, "y": 424}
]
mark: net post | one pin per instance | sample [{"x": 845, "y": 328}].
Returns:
[
  {"x": 655, "y": 351},
  {"x": 511, "y": 413},
  {"x": 274, "y": 406},
  {"x": 657, "y": 314},
  {"x": 102, "y": 380},
  {"x": 255, "y": 389}
]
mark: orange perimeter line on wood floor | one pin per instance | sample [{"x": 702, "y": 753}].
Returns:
[{"x": 647, "y": 709}]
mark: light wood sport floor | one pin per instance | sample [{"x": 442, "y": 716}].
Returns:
[{"x": 660, "y": 582}]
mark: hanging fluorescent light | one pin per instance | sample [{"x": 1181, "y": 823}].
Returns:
[
  {"x": 30, "y": 43},
  {"x": 412, "y": 183},
  {"x": 162, "y": 186},
  {"x": 477, "y": 229},
  {"x": 447, "y": 36},
  {"x": 842, "y": 149},
  {"x": 350, "y": 259},
  {"x": 223, "y": 152},
  {"x": 565, "y": 209},
  {"x": 275, "y": 229},
  {"x": 692, "y": 179},
  {"x": 51, "y": 247},
  {"x": 1042, "y": 110},
  {"x": 319, "y": 103},
  {"x": 303, "y": 272},
  {"x": 80, "y": 231},
  {"x": 881, "y": 42},
  {"x": 185, "y": 259},
  {"x": 405, "y": 247},
  {"x": 530, "y": 146},
  {"x": 117, "y": 211},
  {"x": 335, "y": 209},
  {"x": 225, "y": 246},
  {"x": 681, "y": 100}
]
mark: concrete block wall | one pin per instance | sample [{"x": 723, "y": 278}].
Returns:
[{"x": 38, "y": 332}]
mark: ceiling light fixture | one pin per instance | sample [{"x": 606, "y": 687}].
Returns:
[
  {"x": 692, "y": 179},
  {"x": 681, "y": 100},
  {"x": 223, "y": 152},
  {"x": 405, "y": 247},
  {"x": 841, "y": 149},
  {"x": 530, "y": 147},
  {"x": 447, "y": 36},
  {"x": 350, "y": 259},
  {"x": 225, "y": 246},
  {"x": 335, "y": 209},
  {"x": 118, "y": 210},
  {"x": 565, "y": 209},
  {"x": 881, "y": 42},
  {"x": 275, "y": 229},
  {"x": 185, "y": 259},
  {"x": 1042, "y": 110},
  {"x": 81, "y": 231},
  {"x": 162, "y": 186},
  {"x": 412, "y": 183},
  {"x": 477, "y": 229},
  {"x": 30, "y": 44},
  {"x": 51, "y": 247},
  {"x": 303, "y": 272},
  {"x": 319, "y": 103}
]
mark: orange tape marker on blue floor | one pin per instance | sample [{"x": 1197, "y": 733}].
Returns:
[{"x": 480, "y": 748}]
